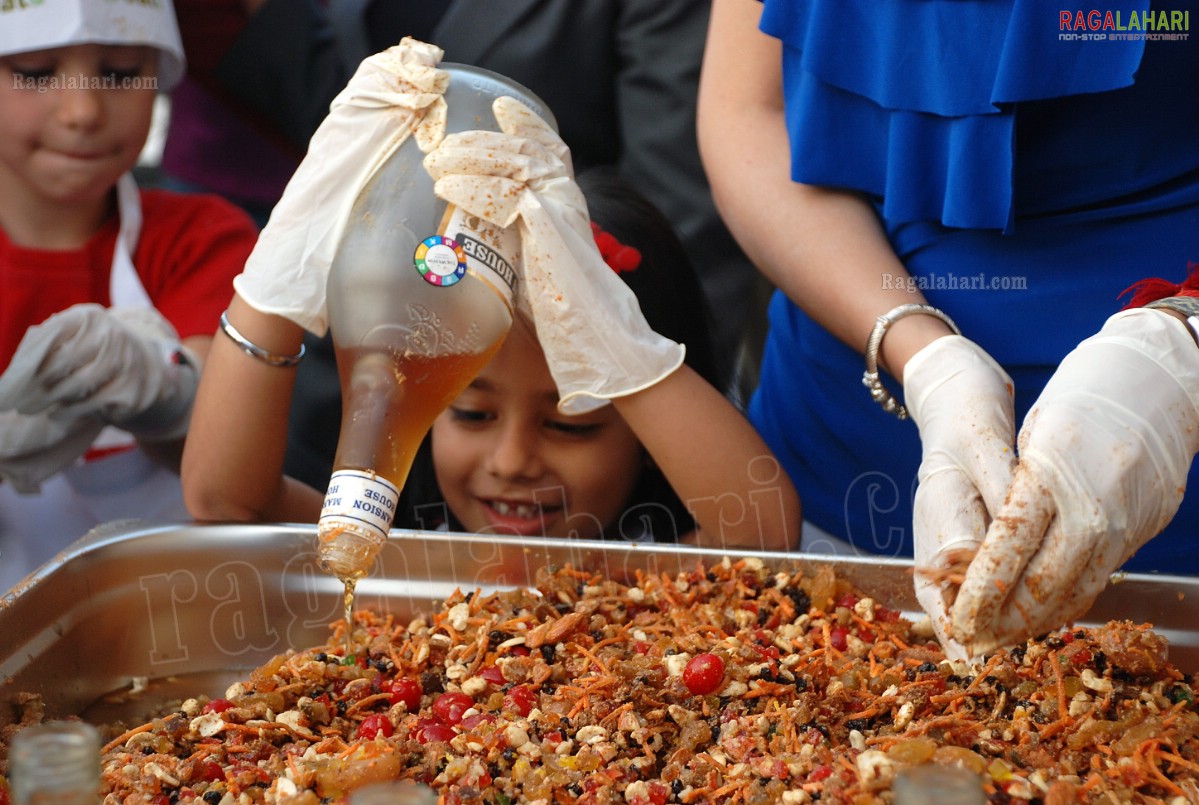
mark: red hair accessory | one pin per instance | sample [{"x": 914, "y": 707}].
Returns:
[
  {"x": 1155, "y": 288},
  {"x": 620, "y": 257}
]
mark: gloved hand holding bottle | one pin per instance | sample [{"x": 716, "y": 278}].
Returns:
[{"x": 596, "y": 340}]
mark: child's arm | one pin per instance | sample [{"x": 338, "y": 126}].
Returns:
[
  {"x": 233, "y": 460},
  {"x": 716, "y": 462}
]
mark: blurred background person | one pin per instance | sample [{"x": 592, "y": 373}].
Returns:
[
  {"x": 533, "y": 445},
  {"x": 212, "y": 141}
]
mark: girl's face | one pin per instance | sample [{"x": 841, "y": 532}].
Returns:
[
  {"x": 73, "y": 119},
  {"x": 509, "y": 463}
]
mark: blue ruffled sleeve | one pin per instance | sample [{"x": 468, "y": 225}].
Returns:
[{"x": 913, "y": 101}]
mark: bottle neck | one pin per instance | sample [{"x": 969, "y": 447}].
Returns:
[{"x": 56, "y": 763}]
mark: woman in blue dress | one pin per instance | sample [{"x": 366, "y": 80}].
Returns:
[{"x": 910, "y": 170}]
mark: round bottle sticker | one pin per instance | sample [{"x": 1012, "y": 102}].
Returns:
[{"x": 440, "y": 260}]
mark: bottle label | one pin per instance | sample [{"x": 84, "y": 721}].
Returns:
[
  {"x": 469, "y": 243},
  {"x": 361, "y": 499}
]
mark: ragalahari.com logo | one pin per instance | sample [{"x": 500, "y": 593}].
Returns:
[{"x": 1098, "y": 26}]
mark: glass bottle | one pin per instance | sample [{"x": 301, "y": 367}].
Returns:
[
  {"x": 56, "y": 763},
  {"x": 934, "y": 784},
  {"x": 420, "y": 298},
  {"x": 402, "y": 792}
]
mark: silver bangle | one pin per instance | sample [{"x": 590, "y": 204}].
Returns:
[
  {"x": 871, "y": 379},
  {"x": 254, "y": 351},
  {"x": 1186, "y": 305}
]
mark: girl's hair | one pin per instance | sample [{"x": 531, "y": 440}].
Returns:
[{"x": 673, "y": 302}]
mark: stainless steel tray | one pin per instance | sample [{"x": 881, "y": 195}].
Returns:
[{"x": 190, "y": 607}]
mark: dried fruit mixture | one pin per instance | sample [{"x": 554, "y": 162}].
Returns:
[{"x": 728, "y": 684}]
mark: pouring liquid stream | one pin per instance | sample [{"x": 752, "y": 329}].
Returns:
[{"x": 347, "y": 601}]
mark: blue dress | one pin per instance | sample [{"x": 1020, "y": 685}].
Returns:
[{"x": 1026, "y": 172}]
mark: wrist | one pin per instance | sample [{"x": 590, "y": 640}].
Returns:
[
  {"x": 907, "y": 337},
  {"x": 1183, "y": 308},
  {"x": 1190, "y": 322},
  {"x": 916, "y": 339}
]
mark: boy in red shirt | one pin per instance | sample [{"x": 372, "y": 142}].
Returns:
[{"x": 108, "y": 295}]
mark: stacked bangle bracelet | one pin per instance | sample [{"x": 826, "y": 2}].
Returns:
[
  {"x": 871, "y": 379},
  {"x": 1188, "y": 306},
  {"x": 254, "y": 351}
]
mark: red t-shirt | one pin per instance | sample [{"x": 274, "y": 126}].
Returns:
[{"x": 191, "y": 248}]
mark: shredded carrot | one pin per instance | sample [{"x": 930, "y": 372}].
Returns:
[
  {"x": 615, "y": 715},
  {"x": 591, "y": 656},
  {"x": 987, "y": 670},
  {"x": 368, "y": 701},
  {"x": 594, "y": 683},
  {"x": 579, "y": 706},
  {"x": 1093, "y": 782},
  {"x": 1063, "y": 710},
  {"x": 830, "y": 651},
  {"x": 1150, "y": 765},
  {"x": 720, "y": 792},
  {"x": 1178, "y": 760},
  {"x": 125, "y": 736},
  {"x": 764, "y": 689}
]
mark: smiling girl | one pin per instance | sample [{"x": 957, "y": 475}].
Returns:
[{"x": 675, "y": 461}]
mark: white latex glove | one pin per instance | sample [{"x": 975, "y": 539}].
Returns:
[
  {"x": 33, "y": 447},
  {"x": 120, "y": 367},
  {"x": 961, "y": 400},
  {"x": 393, "y": 95},
  {"x": 596, "y": 340},
  {"x": 1104, "y": 456}
]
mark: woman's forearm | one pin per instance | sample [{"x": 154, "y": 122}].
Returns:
[{"x": 824, "y": 248}]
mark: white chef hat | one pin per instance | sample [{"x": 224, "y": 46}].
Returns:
[{"x": 58, "y": 23}]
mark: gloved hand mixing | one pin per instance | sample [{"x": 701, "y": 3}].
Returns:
[
  {"x": 101, "y": 365},
  {"x": 961, "y": 400},
  {"x": 1104, "y": 456},
  {"x": 596, "y": 340}
]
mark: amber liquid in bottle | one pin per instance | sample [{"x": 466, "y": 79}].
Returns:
[
  {"x": 393, "y": 401},
  {"x": 406, "y": 393}
]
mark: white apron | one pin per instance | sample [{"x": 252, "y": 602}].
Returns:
[{"x": 121, "y": 482}]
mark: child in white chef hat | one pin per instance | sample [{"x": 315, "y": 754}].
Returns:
[{"x": 108, "y": 294}]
